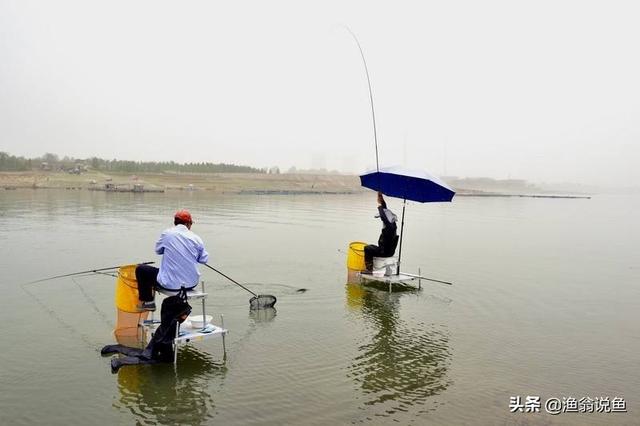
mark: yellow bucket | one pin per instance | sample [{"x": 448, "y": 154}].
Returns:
[
  {"x": 127, "y": 289},
  {"x": 355, "y": 256}
]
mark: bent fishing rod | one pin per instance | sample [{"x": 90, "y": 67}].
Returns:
[{"x": 373, "y": 113}]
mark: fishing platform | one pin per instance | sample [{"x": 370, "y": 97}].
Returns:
[
  {"x": 134, "y": 326},
  {"x": 386, "y": 270},
  {"x": 194, "y": 328}
]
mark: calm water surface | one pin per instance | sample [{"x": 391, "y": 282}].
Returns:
[{"x": 544, "y": 302}]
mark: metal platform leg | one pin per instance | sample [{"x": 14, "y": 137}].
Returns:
[
  {"x": 419, "y": 280},
  {"x": 175, "y": 345},
  {"x": 224, "y": 346},
  {"x": 204, "y": 316}
]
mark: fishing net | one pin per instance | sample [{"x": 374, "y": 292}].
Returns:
[{"x": 262, "y": 301}]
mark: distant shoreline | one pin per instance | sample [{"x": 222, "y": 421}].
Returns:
[
  {"x": 458, "y": 194},
  {"x": 228, "y": 183},
  {"x": 492, "y": 194}
]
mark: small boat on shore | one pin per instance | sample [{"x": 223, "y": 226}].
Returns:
[{"x": 125, "y": 187}]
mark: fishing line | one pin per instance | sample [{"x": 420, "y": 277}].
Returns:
[
  {"x": 93, "y": 304},
  {"x": 83, "y": 337}
]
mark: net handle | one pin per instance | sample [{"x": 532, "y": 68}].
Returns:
[{"x": 229, "y": 278}]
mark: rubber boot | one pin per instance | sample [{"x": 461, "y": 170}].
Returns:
[
  {"x": 115, "y": 365},
  {"x": 369, "y": 266}
]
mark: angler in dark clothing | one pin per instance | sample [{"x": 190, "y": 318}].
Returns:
[
  {"x": 388, "y": 237},
  {"x": 175, "y": 310}
]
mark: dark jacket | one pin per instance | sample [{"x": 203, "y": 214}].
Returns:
[{"x": 388, "y": 236}]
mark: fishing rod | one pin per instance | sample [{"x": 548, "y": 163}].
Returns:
[
  {"x": 428, "y": 279},
  {"x": 373, "y": 113},
  {"x": 99, "y": 270}
]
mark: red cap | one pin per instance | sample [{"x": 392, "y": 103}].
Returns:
[{"x": 184, "y": 216}]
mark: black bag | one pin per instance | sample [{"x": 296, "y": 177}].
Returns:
[{"x": 160, "y": 348}]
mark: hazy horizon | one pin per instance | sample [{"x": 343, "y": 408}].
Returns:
[{"x": 545, "y": 92}]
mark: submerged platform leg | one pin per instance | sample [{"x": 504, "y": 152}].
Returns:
[
  {"x": 175, "y": 345},
  {"x": 204, "y": 316},
  {"x": 224, "y": 346}
]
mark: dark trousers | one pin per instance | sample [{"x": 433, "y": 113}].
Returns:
[
  {"x": 133, "y": 356},
  {"x": 147, "y": 277},
  {"x": 370, "y": 252}
]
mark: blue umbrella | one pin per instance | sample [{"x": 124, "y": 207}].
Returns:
[{"x": 407, "y": 184}]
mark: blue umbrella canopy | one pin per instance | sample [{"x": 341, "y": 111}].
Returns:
[{"x": 407, "y": 184}]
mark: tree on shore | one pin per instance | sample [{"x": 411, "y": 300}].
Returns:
[{"x": 11, "y": 163}]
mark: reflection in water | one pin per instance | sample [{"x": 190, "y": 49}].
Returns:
[
  {"x": 168, "y": 394},
  {"x": 401, "y": 364},
  {"x": 263, "y": 315}
]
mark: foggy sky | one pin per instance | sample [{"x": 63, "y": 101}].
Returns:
[{"x": 544, "y": 91}]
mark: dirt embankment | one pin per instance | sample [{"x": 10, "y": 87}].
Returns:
[{"x": 218, "y": 182}]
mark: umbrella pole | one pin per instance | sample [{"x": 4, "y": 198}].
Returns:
[{"x": 401, "y": 231}]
